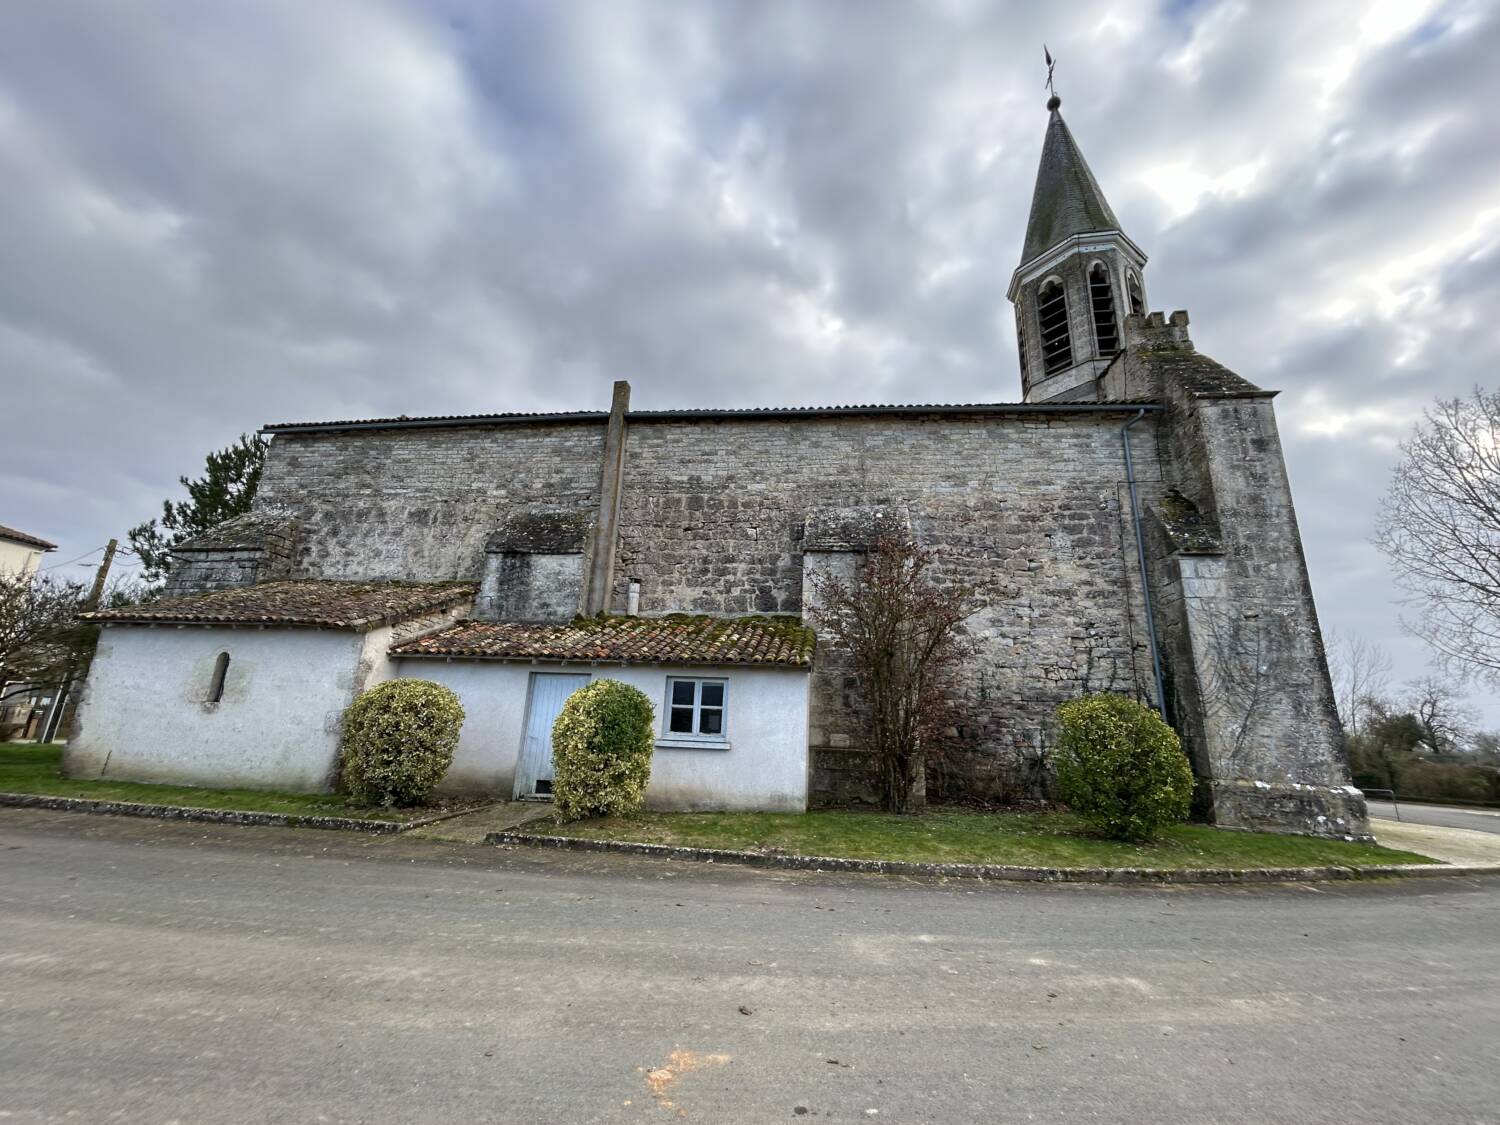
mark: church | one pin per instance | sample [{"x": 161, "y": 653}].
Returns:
[{"x": 1126, "y": 526}]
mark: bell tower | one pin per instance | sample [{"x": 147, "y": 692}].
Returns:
[{"x": 1079, "y": 276}]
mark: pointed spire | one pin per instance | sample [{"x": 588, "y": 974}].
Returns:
[{"x": 1067, "y": 199}]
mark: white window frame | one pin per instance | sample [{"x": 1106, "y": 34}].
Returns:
[{"x": 693, "y": 739}]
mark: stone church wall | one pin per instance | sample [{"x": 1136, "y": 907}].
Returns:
[
  {"x": 421, "y": 504},
  {"x": 1256, "y": 709},
  {"x": 1029, "y": 509}
]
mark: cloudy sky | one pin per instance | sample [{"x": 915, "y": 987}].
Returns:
[{"x": 214, "y": 216}]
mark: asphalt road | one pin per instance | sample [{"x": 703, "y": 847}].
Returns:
[
  {"x": 164, "y": 972},
  {"x": 1445, "y": 816}
]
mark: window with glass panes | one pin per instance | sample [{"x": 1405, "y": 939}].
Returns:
[{"x": 695, "y": 708}]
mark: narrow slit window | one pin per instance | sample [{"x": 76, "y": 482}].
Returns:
[
  {"x": 695, "y": 709},
  {"x": 1052, "y": 321},
  {"x": 216, "y": 685},
  {"x": 1137, "y": 298},
  {"x": 1102, "y": 297}
]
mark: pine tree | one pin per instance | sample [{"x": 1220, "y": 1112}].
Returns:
[{"x": 226, "y": 490}]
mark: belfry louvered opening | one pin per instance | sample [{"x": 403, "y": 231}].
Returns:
[
  {"x": 1137, "y": 298},
  {"x": 1102, "y": 297},
  {"x": 1052, "y": 322}
]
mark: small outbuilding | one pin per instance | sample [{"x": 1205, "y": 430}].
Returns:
[
  {"x": 245, "y": 687},
  {"x": 730, "y": 697}
]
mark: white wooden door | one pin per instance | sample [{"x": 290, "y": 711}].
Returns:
[{"x": 546, "y": 696}]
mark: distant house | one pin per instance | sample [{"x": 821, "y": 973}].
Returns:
[
  {"x": 21, "y": 553},
  {"x": 21, "y": 707}
]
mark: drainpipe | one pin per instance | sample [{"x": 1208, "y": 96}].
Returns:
[{"x": 1140, "y": 552}]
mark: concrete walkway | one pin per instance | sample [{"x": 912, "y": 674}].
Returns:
[
  {"x": 1444, "y": 816},
  {"x": 1451, "y": 845},
  {"x": 471, "y": 828}
]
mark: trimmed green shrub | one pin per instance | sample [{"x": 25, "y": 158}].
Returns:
[
  {"x": 399, "y": 739},
  {"x": 1121, "y": 768},
  {"x": 601, "y": 751}
]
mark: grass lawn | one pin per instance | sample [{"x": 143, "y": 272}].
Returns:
[
  {"x": 1050, "y": 839},
  {"x": 37, "y": 769}
]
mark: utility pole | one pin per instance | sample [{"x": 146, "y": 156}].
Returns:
[
  {"x": 97, "y": 592},
  {"x": 60, "y": 697}
]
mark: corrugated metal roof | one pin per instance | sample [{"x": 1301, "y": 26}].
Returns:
[
  {"x": 403, "y": 420},
  {"x": 710, "y": 414},
  {"x": 678, "y": 639}
]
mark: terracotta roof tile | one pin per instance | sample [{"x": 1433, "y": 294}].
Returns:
[
  {"x": 331, "y": 605},
  {"x": 678, "y": 639},
  {"x": 21, "y": 537}
]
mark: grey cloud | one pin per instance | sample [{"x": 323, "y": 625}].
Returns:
[{"x": 217, "y": 216}]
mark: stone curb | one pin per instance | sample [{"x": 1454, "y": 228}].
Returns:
[
  {"x": 999, "y": 872},
  {"x": 218, "y": 816}
]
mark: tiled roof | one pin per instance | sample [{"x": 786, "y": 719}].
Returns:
[
  {"x": 21, "y": 537},
  {"x": 679, "y": 639},
  {"x": 691, "y": 415},
  {"x": 331, "y": 605}
]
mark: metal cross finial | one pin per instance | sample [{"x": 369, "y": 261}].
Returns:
[{"x": 1051, "y": 65}]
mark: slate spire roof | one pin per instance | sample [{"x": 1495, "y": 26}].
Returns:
[{"x": 1067, "y": 199}]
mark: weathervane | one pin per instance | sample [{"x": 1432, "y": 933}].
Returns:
[{"x": 1054, "y": 101}]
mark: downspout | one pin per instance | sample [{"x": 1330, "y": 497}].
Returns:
[{"x": 1140, "y": 552}]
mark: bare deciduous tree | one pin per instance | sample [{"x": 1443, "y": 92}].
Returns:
[
  {"x": 1447, "y": 722},
  {"x": 900, "y": 629},
  {"x": 1439, "y": 524},
  {"x": 43, "y": 644},
  {"x": 1485, "y": 746},
  {"x": 38, "y": 625},
  {"x": 1361, "y": 671}
]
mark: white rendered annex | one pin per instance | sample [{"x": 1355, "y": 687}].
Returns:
[{"x": 244, "y": 687}]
